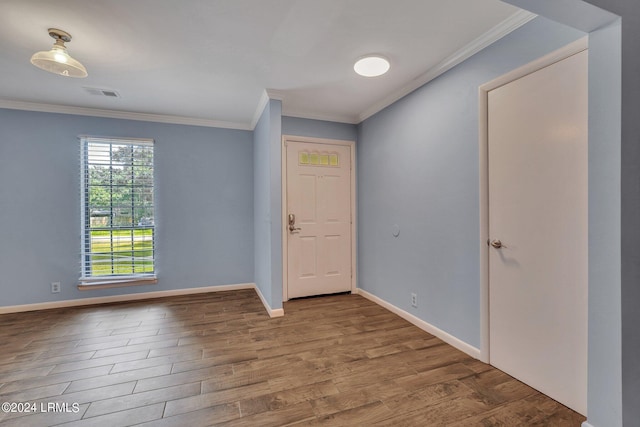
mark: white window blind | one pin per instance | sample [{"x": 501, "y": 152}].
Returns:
[{"x": 118, "y": 229}]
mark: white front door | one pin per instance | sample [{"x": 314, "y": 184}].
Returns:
[
  {"x": 537, "y": 169},
  {"x": 318, "y": 219}
]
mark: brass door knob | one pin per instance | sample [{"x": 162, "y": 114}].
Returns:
[{"x": 497, "y": 244}]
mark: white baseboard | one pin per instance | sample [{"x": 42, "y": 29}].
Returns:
[
  {"x": 586, "y": 424},
  {"x": 277, "y": 312},
  {"x": 449, "y": 339},
  {"x": 140, "y": 296}
]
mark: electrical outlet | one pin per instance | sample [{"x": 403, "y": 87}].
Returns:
[
  {"x": 414, "y": 299},
  {"x": 55, "y": 287}
]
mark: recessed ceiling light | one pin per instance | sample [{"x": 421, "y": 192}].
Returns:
[{"x": 371, "y": 66}]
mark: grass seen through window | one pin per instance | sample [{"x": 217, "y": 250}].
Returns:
[{"x": 114, "y": 251}]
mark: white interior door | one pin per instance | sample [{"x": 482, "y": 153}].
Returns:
[
  {"x": 537, "y": 169},
  {"x": 318, "y": 219}
]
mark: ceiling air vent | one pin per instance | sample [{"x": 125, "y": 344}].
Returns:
[{"x": 102, "y": 92}]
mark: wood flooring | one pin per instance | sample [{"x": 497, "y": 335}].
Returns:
[{"x": 218, "y": 359}]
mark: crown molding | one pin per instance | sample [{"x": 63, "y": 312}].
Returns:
[
  {"x": 262, "y": 103},
  {"x": 512, "y": 23},
  {"x": 337, "y": 118},
  {"x": 125, "y": 115},
  {"x": 267, "y": 95},
  {"x": 275, "y": 94}
]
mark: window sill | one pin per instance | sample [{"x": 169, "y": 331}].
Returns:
[{"x": 108, "y": 284}]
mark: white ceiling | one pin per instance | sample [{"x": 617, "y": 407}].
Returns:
[{"x": 210, "y": 61}]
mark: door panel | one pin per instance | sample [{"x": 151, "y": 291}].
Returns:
[
  {"x": 332, "y": 201},
  {"x": 538, "y": 210},
  {"x": 319, "y": 195},
  {"x": 308, "y": 256},
  {"x": 308, "y": 199},
  {"x": 334, "y": 254}
]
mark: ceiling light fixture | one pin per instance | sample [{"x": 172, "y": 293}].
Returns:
[
  {"x": 57, "y": 60},
  {"x": 372, "y": 66}
]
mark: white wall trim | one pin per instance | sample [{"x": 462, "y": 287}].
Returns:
[
  {"x": 586, "y": 424},
  {"x": 140, "y": 296},
  {"x": 277, "y": 312},
  {"x": 558, "y": 55},
  {"x": 262, "y": 103},
  {"x": 483, "y": 98},
  {"x": 425, "y": 326},
  {"x": 354, "y": 206},
  {"x": 266, "y": 96},
  {"x": 507, "y": 26},
  {"x": 337, "y": 118},
  {"x": 284, "y": 210},
  {"x": 124, "y": 115},
  {"x": 275, "y": 94}
]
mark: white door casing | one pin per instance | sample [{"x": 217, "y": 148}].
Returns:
[
  {"x": 317, "y": 226},
  {"x": 537, "y": 209}
]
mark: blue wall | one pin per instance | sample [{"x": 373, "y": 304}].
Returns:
[
  {"x": 623, "y": 157},
  {"x": 319, "y": 129},
  {"x": 418, "y": 168},
  {"x": 629, "y": 259},
  {"x": 262, "y": 203},
  {"x": 604, "y": 358},
  {"x": 275, "y": 146},
  {"x": 204, "y": 204},
  {"x": 268, "y": 203}
]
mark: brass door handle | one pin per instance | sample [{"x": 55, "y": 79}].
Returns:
[
  {"x": 293, "y": 228},
  {"x": 496, "y": 244},
  {"x": 292, "y": 223}
]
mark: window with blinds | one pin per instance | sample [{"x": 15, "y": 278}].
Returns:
[{"x": 117, "y": 211}]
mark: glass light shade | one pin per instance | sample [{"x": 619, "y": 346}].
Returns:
[
  {"x": 58, "y": 61},
  {"x": 371, "y": 66}
]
